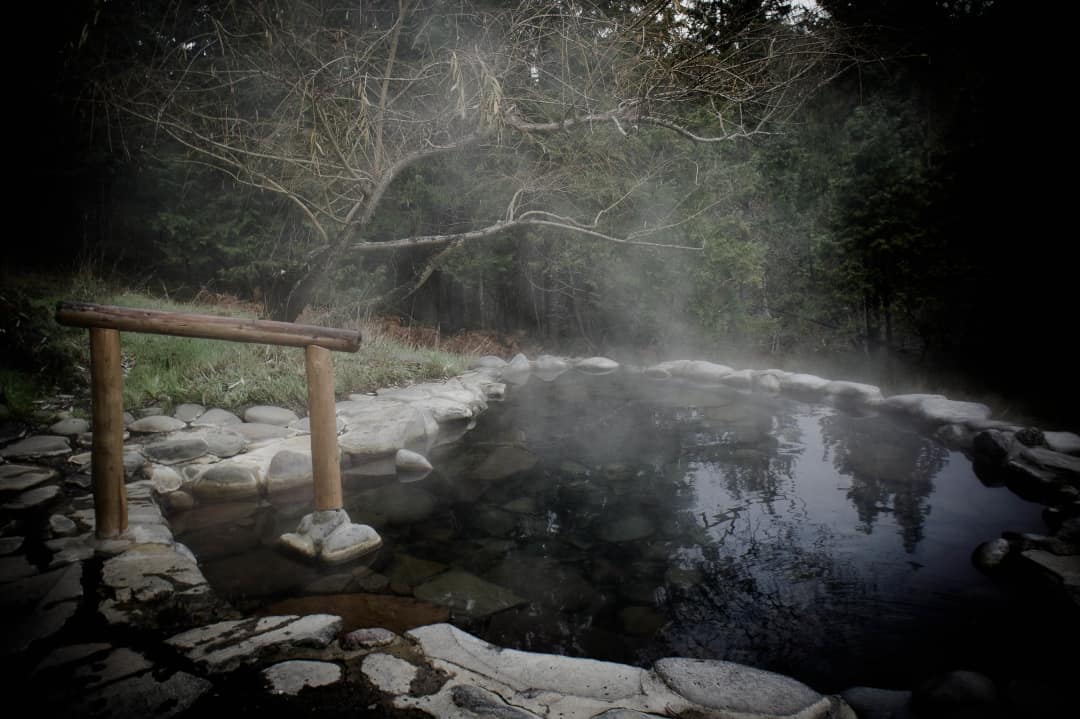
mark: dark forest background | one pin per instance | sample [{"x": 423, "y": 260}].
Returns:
[{"x": 911, "y": 212}]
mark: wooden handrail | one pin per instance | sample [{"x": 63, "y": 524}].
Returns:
[
  {"x": 183, "y": 324},
  {"x": 106, "y": 389}
]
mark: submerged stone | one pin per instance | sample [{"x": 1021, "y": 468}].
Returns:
[
  {"x": 360, "y": 610},
  {"x": 467, "y": 594},
  {"x": 503, "y": 462},
  {"x": 627, "y": 529},
  {"x": 173, "y": 451}
]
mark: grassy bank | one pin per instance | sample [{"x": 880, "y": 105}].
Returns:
[{"x": 40, "y": 358}]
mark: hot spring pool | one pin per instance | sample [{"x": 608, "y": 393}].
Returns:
[{"x": 626, "y": 519}]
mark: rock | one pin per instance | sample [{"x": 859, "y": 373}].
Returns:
[
  {"x": 490, "y": 361},
  {"x": 145, "y": 695},
  {"x": 66, "y": 655},
  {"x": 505, "y": 461},
  {"x": 388, "y": 673},
  {"x": 596, "y": 365},
  {"x": 518, "y": 364},
  {"x": 367, "y": 638},
  {"x": 357, "y": 611},
  {"x": 142, "y": 596},
  {"x": 767, "y": 383},
  {"x": 292, "y": 676},
  {"x": 627, "y": 529},
  {"x": 657, "y": 372},
  {"x": 466, "y": 594},
  {"x": 224, "y": 443},
  {"x": 804, "y": 384},
  {"x": 408, "y": 571},
  {"x": 12, "y": 568},
  {"x": 70, "y": 426},
  {"x": 955, "y": 436},
  {"x": 216, "y": 418},
  {"x": 20, "y": 477},
  {"x": 173, "y": 451},
  {"x": 134, "y": 461},
  {"x": 741, "y": 379},
  {"x": 268, "y": 414},
  {"x": 1061, "y": 570},
  {"x": 482, "y": 703},
  {"x": 957, "y": 694},
  {"x": 379, "y": 426},
  {"x": 564, "y": 589},
  {"x": 42, "y": 445},
  {"x": 1049, "y": 459},
  {"x": 705, "y": 372},
  {"x": 524, "y": 671},
  {"x": 165, "y": 479},
  {"x": 61, "y": 526},
  {"x": 841, "y": 391},
  {"x": 1064, "y": 442},
  {"x": 224, "y": 646},
  {"x": 299, "y": 544},
  {"x": 304, "y": 425},
  {"x": 871, "y": 703},
  {"x": 393, "y": 504},
  {"x": 289, "y": 470},
  {"x": 254, "y": 432},
  {"x": 118, "y": 664},
  {"x": 936, "y": 409},
  {"x": 10, "y": 545},
  {"x": 989, "y": 555},
  {"x": 156, "y": 424},
  {"x": 226, "y": 482},
  {"x": 188, "y": 412},
  {"x": 350, "y": 541},
  {"x": 33, "y": 498},
  {"x": 736, "y": 689},
  {"x": 408, "y": 461}
]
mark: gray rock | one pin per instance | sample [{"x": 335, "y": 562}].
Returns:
[
  {"x": 388, "y": 673},
  {"x": 226, "y": 482},
  {"x": 10, "y": 545},
  {"x": 12, "y": 568},
  {"x": 20, "y": 477},
  {"x": 152, "y": 411},
  {"x": 490, "y": 361},
  {"x": 134, "y": 461},
  {"x": 40, "y": 625},
  {"x": 1049, "y": 459},
  {"x": 990, "y": 555},
  {"x": 767, "y": 383},
  {"x": 304, "y": 425},
  {"x": 939, "y": 410},
  {"x": 148, "y": 581},
  {"x": 871, "y": 703},
  {"x": 393, "y": 504},
  {"x": 957, "y": 694},
  {"x": 367, "y": 638},
  {"x": 188, "y": 412},
  {"x": 128, "y": 419},
  {"x": 70, "y": 426},
  {"x": 408, "y": 461},
  {"x": 596, "y": 365},
  {"x": 350, "y": 541},
  {"x": 503, "y": 462},
  {"x": 145, "y": 695},
  {"x": 705, "y": 372},
  {"x": 299, "y": 544},
  {"x": 955, "y": 436},
  {"x": 734, "y": 688},
  {"x": 118, "y": 664},
  {"x": 289, "y": 470},
  {"x": 627, "y": 529},
  {"x": 1061, "y": 570},
  {"x": 63, "y": 656},
  {"x": 166, "y": 480},
  {"x": 524, "y": 671},
  {"x": 224, "y": 646},
  {"x": 173, "y": 451},
  {"x": 620, "y": 713},
  {"x": 61, "y": 526},
  {"x": 641, "y": 621},
  {"x": 1064, "y": 442},
  {"x": 81, "y": 460},
  {"x": 224, "y": 443},
  {"x": 268, "y": 414},
  {"x": 804, "y": 384},
  {"x": 518, "y": 364},
  {"x": 156, "y": 424},
  {"x": 843, "y": 391},
  {"x": 33, "y": 498},
  {"x": 292, "y": 676},
  {"x": 466, "y": 594},
  {"x": 254, "y": 432},
  {"x": 482, "y": 703},
  {"x": 740, "y": 379},
  {"x": 216, "y": 417},
  {"x": 378, "y": 426},
  {"x": 42, "y": 445}
]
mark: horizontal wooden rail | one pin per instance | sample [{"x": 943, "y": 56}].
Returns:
[
  {"x": 85, "y": 314},
  {"x": 105, "y": 323}
]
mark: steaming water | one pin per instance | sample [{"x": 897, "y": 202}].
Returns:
[{"x": 660, "y": 520}]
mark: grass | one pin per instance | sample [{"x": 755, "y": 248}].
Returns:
[{"x": 164, "y": 370}]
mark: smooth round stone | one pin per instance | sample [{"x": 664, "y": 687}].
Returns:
[
  {"x": 70, "y": 426},
  {"x": 226, "y": 482},
  {"x": 61, "y": 526},
  {"x": 42, "y": 445},
  {"x": 288, "y": 470},
  {"x": 216, "y": 417},
  {"x": 268, "y": 414},
  {"x": 20, "y": 477},
  {"x": 408, "y": 461},
  {"x": 367, "y": 638},
  {"x": 172, "y": 451},
  {"x": 33, "y": 498},
  {"x": 157, "y": 424},
  {"x": 292, "y": 676},
  {"x": 596, "y": 365},
  {"x": 738, "y": 689},
  {"x": 166, "y": 479},
  {"x": 350, "y": 541},
  {"x": 224, "y": 443},
  {"x": 188, "y": 412},
  {"x": 257, "y": 432}
]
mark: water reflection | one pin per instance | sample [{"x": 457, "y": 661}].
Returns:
[
  {"x": 892, "y": 470},
  {"x": 626, "y": 519}
]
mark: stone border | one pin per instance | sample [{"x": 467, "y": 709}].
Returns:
[{"x": 150, "y": 583}]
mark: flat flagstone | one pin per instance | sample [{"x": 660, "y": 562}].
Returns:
[
  {"x": 156, "y": 424},
  {"x": 20, "y": 477},
  {"x": 292, "y": 676},
  {"x": 33, "y": 498},
  {"x": 41, "y": 445},
  {"x": 227, "y": 645},
  {"x": 70, "y": 426}
]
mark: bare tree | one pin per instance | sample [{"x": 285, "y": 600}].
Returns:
[{"x": 327, "y": 106}]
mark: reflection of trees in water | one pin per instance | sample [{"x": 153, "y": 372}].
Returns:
[{"x": 891, "y": 470}]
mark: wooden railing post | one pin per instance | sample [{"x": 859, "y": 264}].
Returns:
[
  {"x": 106, "y": 396},
  {"x": 325, "y": 463}
]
